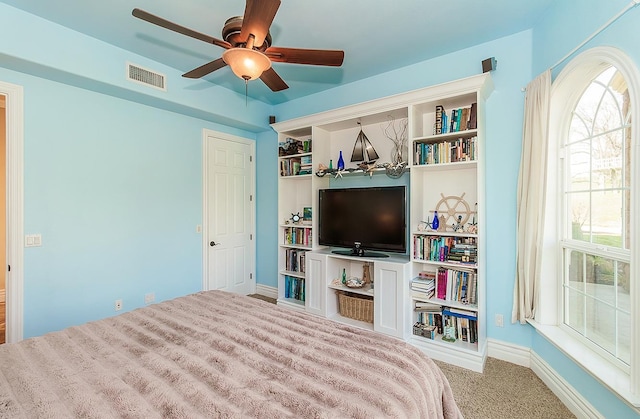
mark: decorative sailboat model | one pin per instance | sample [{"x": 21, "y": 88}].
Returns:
[{"x": 363, "y": 150}]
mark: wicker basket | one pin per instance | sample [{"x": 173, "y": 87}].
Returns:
[{"x": 355, "y": 306}]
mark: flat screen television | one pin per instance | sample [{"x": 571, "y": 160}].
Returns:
[{"x": 366, "y": 221}]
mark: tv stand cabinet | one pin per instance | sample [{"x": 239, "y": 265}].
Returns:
[{"x": 389, "y": 290}]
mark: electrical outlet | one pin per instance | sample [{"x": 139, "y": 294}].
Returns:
[
  {"x": 499, "y": 320},
  {"x": 149, "y": 298},
  {"x": 118, "y": 305}
]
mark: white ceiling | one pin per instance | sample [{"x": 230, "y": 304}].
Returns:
[{"x": 376, "y": 35}]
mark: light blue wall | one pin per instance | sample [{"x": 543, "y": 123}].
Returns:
[
  {"x": 115, "y": 190},
  {"x": 267, "y": 208}
]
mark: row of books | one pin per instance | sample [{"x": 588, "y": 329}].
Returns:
[
  {"x": 297, "y": 235},
  {"x": 292, "y": 167},
  {"x": 461, "y": 149},
  {"x": 306, "y": 166},
  {"x": 294, "y": 260},
  {"x": 432, "y": 322},
  {"x": 456, "y": 285},
  {"x": 292, "y": 146},
  {"x": 445, "y": 249},
  {"x": 459, "y": 119},
  {"x": 294, "y": 288}
]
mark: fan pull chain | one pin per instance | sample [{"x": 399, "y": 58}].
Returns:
[{"x": 246, "y": 91}]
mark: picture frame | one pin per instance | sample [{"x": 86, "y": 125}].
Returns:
[{"x": 306, "y": 214}]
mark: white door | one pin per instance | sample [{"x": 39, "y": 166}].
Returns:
[{"x": 229, "y": 236}]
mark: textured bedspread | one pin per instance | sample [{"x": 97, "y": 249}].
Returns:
[{"x": 215, "y": 354}]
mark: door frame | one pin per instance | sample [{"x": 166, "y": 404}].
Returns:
[
  {"x": 206, "y": 133},
  {"x": 15, "y": 210}
]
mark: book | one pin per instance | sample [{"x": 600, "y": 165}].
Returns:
[
  {"x": 473, "y": 116},
  {"x": 446, "y": 311},
  {"x": 454, "y": 116},
  {"x": 439, "y": 114},
  {"x": 424, "y": 306},
  {"x": 422, "y": 295}
]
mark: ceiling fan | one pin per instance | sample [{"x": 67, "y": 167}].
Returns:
[{"x": 247, "y": 44}]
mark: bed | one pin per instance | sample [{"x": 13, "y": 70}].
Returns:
[{"x": 216, "y": 354}]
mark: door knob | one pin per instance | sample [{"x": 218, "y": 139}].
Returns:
[{"x": 213, "y": 244}]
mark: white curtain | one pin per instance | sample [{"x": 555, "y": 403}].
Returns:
[{"x": 531, "y": 197}]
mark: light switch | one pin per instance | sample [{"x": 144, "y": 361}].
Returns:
[{"x": 32, "y": 240}]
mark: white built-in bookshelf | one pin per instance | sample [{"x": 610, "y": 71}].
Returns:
[{"x": 446, "y": 170}]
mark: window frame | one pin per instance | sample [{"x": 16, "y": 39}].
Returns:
[{"x": 566, "y": 91}]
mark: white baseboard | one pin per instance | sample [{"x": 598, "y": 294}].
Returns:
[
  {"x": 515, "y": 354},
  {"x": 574, "y": 401},
  {"x": 523, "y": 356},
  {"x": 267, "y": 291}
]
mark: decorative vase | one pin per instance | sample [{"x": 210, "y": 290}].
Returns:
[
  {"x": 340, "y": 162},
  {"x": 436, "y": 223},
  {"x": 344, "y": 276},
  {"x": 397, "y": 154},
  {"x": 366, "y": 276}
]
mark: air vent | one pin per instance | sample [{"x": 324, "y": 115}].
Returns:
[{"x": 147, "y": 77}]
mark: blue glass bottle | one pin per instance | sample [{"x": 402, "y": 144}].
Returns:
[
  {"x": 436, "y": 223},
  {"x": 340, "y": 162}
]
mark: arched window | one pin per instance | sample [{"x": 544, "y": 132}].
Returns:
[
  {"x": 595, "y": 237},
  {"x": 589, "y": 293}
]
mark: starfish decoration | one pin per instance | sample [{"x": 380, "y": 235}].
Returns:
[{"x": 367, "y": 168}]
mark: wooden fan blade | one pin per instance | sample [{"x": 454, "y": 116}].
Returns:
[
  {"x": 273, "y": 80},
  {"x": 306, "y": 56},
  {"x": 156, "y": 20},
  {"x": 203, "y": 70},
  {"x": 258, "y": 15}
]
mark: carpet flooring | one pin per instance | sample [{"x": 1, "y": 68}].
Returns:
[{"x": 502, "y": 391}]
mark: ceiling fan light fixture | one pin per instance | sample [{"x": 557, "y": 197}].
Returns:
[{"x": 247, "y": 64}]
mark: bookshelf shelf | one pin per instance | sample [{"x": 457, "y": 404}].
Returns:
[
  {"x": 333, "y": 173},
  {"x": 454, "y": 304},
  {"x": 292, "y": 301},
  {"x": 298, "y": 152},
  {"x": 443, "y": 233},
  {"x": 293, "y": 156},
  {"x": 293, "y": 273},
  {"x": 453, "y": 265},
  {"x": 295, "y": 246},
  {"x": 472, "y": 164},
  {"x": 450, "y": 164},
  {"x": 366, "y": 290},
  {"x": 308, "y": 175},
  {"x": 352, "y": 322},
  {"x": 457, "y": 345},
  {"x": 447, "y": 136}
]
